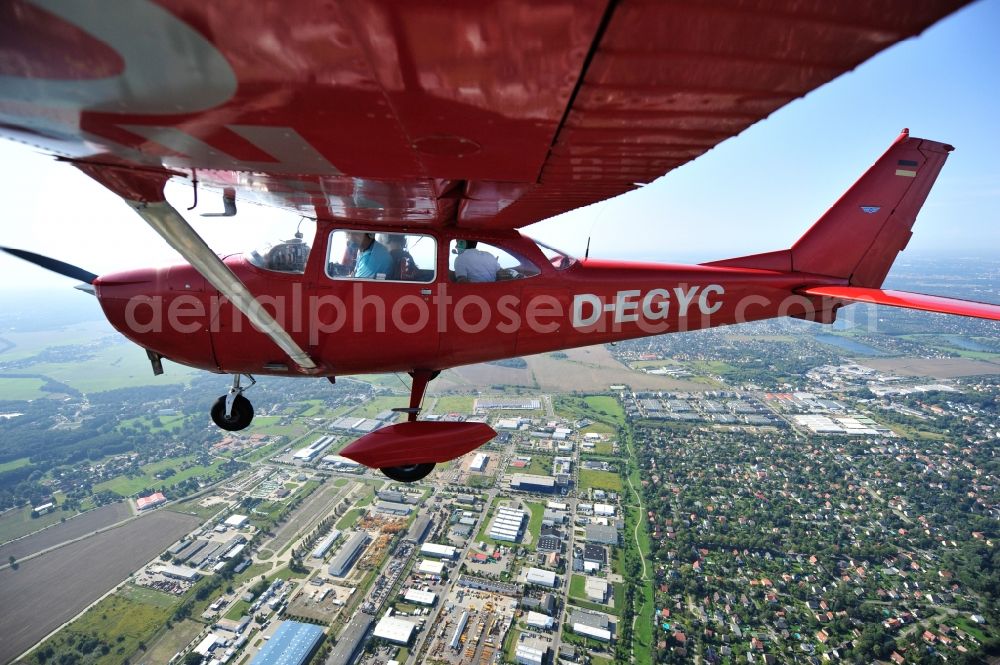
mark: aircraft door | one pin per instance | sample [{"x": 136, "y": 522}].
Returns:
[
  {"x": 373, "y": 307},
  {"x": 483, "y": 309}
]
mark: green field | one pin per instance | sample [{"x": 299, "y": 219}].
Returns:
[
  {"x": 349, "y": 518},
  {"x": 602, "y": 480},
  {"x": 15, "y": 464},
  {"x": 149, "y": 596},
  {"x": 453, "y": 404},
  {"x": 154, "y": 423},
  {"x": 170, "y": 642},
  {"x": 108, "y": 633},
  {"x": 535, "y": 522},
  {"x": 510, "y": 645},
  {"x": 606, "y": 408},
  {"x": 373, "y": 407},
  {"x": 126, "y": 486},
  {"x": 21, "y": 388},
  {"x": 29, "y": 343},
  {"x": 598, "y": 428},
  {"x": 577, "y": 586},
  {"x": 113, "y": 366},
  {"x": 600, "y": 449},
  {"x": 643, "y": 600},
  {"x": 238, "y": 609},
  {"x": 18, "y": 522},
  {"x": 540, "y": 465},
  {"x": 272, "y": 426}
]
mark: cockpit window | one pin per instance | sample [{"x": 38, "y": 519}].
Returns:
[
  {"x": 288, "y": 256},
  {"x": 559, "y": 260},
  {"x": 476, "y": 261},
  {"x": 394, "y": 257}
]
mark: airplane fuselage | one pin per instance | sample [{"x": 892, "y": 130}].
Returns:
[{"x": 353, "y": 326}]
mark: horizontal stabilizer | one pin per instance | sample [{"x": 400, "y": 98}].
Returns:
[{"x": 908, "y": 300}]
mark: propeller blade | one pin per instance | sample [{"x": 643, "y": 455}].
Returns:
[{"x": 60, "y": 267}]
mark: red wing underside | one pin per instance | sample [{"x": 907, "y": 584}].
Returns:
[
  {"x": 474, "y": 114},
  {"x": 908, "y": 300}
]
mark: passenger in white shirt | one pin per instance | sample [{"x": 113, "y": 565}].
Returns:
[{"x": 475, "y": 265}]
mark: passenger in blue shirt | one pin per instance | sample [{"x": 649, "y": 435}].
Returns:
[{"x": 374, "y": 260}]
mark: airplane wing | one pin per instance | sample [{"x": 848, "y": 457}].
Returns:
[{"x": 491, "y": 114}]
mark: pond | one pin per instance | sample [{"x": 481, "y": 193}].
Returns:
[{"x": 848, "y": 344}]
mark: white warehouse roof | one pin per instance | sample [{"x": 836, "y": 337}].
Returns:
[
  {"x": 394, "y": 630},
  {"x": 597, "y": 633},
  {"x": 420, "y": 597},
  {"x": 541, "y": 577},
  {"x": 539, "y": 620},
  {"x": 431, "y": 567},
  {"x": 441, "y": 551}
]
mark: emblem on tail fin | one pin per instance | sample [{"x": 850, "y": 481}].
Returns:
[{"x": 870, "y": 210}]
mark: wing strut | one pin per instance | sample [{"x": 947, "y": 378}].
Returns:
[
  {"x": 173, "y": 228},
  {"x": 142, "y": 190}
]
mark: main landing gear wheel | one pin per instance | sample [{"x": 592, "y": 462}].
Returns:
[
  {"x": 410, "y": 473},
  {"x": 239, "y": 416}
]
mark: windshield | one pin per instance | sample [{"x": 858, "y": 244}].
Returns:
[
  {"x": 288, "y": 256},
  {"x": 560, "y": 260}
]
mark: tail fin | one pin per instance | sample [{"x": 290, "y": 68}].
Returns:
[{"x": 858, "y": 238}]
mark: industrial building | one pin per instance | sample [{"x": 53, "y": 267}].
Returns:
[
  {"x": 394, "y": 630},
  {"x": 592, "y": 619},
  {"x": 499, "y": 404},
  {"x": 324, "y": 545},
  {"x": 190, "y": 548},
  {"x": 603, "y": 535},
  {"x": 206, "y": 646},
  {"x": 456, "y": 637},
  {"x": 418, "y": 530},
  {"x": 419, "y": 597},
  {"x": 309, "y": 452},
  {"x": 479, "y": 463},
  {"x": 393, "y": 508},
  {"x": 600, "y": 634},
  {"x": 549, "y": 544},
  {"x": 540, "y": 577},
  {"x": 438, "y": 551},
  {"x": 539, "y": 620},
  {"x": 530, "y": 652},
  {"x": 348, "y": 554},
  {"x": 507, "y": 525},
  {"x": 529, "y": 483},
  {"x": 151, "y": 501},
  {"x": 237, "y": 521},
  {"x": 429, "y": 567},
  {"x": 350, "y": 641},
  {"x": 338, "y": 461},
  {"x": 604, "y": 510},
  {"x": 292, "y": 644},
  {"x": 178, "y": 547},
  {"x": 362, "y": 425},
  {"x": 178, "y": 572},
  {"x": 596, "y": 589}
]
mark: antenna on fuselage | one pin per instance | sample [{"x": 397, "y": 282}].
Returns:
[{"x": 586, "y": 252}]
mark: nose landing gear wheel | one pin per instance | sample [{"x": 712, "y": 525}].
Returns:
[
  {"x": 239, "y": 417},
  {"x": 410, "y": 473}
]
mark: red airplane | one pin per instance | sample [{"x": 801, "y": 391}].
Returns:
[{"x": 420, "y": 137}]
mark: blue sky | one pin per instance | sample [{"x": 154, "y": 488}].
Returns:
[{"x": 756, "y": 192}]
